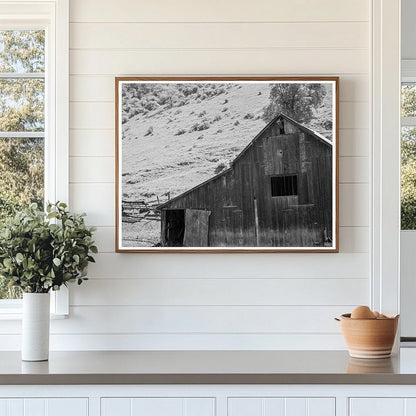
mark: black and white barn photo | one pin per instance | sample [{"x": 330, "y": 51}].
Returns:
[{"x": 231, "y": 164}]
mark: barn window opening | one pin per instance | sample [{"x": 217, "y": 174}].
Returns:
[{"x": 284, "y": 185}]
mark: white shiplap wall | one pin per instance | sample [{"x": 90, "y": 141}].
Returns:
[{"x": 215, "y": 301}]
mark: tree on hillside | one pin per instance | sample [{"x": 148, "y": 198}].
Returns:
[{"x": 295, "y": 100}]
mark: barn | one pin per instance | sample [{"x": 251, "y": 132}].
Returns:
[{"x": 276, "y": 193}]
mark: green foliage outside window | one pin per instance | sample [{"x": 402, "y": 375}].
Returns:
[
  {"x": 408, "y": 160},
  {"x": 21, "y": 110},
  {"x": 408, "y": 179}
]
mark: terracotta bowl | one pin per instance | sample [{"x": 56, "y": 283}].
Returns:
[
  {"x": 369, "y": 366},
  {"x": 369, "y": 338}
]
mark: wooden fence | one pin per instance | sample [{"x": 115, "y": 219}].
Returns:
[{"x": 136, "y": 211}]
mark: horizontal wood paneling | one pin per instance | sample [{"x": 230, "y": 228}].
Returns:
[
  {"x": 92, "y": 115},
  {"x": 220, "y": 11},
  {"x": 195, "y": 319},
  {"x": 298, "y": 37},
  {"x": 218, "y": 35},
  {"x": 96, "y": 88},
  {"x": 221, "y": 61},
  {"x": 354, "y": 142},
  {"x": 354, "y": 239},
  {"x": 92, "y": 143},
  {"x": 354, "y": 169},
  {"x": 354, "y": 205},
  {"x": 99, "y": 88},
  {"x": 91, "y": 169},
  {"x": 200, "y": 319},
  {"x": 192, "y": 341},
  {"x": 105, "y": 239},
  {"x": 219, "y": 291},
  {"x": 97, "y": 200},
  {"x": 354, "y": 115},
  {"x": 186, "y": 265}
]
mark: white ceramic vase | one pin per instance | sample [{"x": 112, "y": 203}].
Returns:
[{"x": 35, "y": 326}]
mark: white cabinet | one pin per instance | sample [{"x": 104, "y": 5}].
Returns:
[
  {"x": 382, "y": 406},
  {"x": 159, "y": 406},
  {"x": 44, "y": 407},
  {"x": 208, "y": 400},
  {"x": 281, "y": 406}
]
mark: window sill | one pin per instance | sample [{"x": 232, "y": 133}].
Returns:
[{"x": 12, "y": 309}]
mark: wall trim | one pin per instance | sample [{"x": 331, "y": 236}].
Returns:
[{"x": 385, "y": 116}]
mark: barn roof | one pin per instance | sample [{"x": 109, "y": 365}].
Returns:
[{"x": 313, "y": 133}]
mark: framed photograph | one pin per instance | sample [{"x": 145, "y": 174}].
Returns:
[{"x": 247, "y": 164}]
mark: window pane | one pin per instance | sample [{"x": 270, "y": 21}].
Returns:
[
  {"x": 408, "y": 178},
  {"x": 22, "y": 105},
  {"x": 22, "y": 51},
  {"x": 21, "y": 109},
  {"x": 408, "y": 99},
  {"x": 21, "y": 182},
  {"x": 21, "y": 173}
]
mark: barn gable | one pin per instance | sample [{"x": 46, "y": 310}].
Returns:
[{"x": 280, "y": 117}]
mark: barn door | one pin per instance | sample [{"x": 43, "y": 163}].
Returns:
[{"x": 196, "y": 228}]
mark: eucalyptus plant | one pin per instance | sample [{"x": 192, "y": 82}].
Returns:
[{"x": 42, "y": 251}]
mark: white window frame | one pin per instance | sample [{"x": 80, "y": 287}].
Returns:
[
  {"x": 53, "y": 17},
  {"x": 385, "y": 159},
  {"x": 408, "y": 236}
]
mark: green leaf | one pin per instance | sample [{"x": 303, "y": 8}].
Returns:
[
  {"x": 94, "y": 249},
  {"x": 56, "y": 261}
]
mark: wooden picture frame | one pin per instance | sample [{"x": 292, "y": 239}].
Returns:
[{"x": 227, "y": 164}]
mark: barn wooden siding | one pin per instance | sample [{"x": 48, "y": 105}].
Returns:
[{"x": 284, "y": 221}]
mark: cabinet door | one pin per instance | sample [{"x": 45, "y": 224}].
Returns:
[
  {"x": 281, "y": 406},
  {"x": 160, "y": 406},
  {"x": 44, "y": 407},
  {"x": 377, "y": 406}
]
